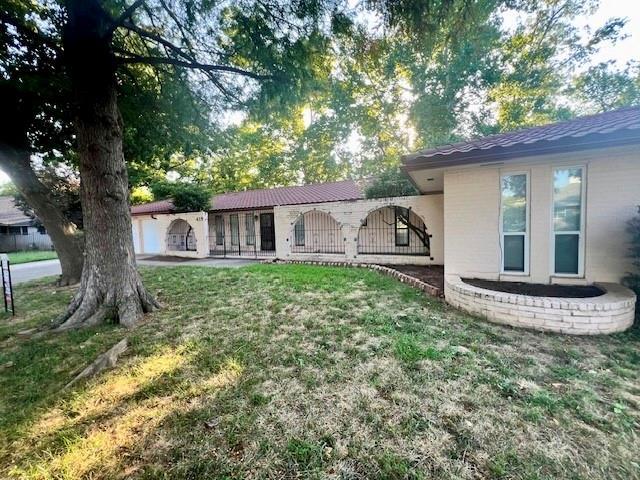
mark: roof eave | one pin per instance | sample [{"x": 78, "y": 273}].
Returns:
[{"x": 568, "y": 144}]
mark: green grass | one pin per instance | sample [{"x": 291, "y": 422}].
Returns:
[
  {"x": 31, "y": 256},
  {"x": 294, "y": 371}
]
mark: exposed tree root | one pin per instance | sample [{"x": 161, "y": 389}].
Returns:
[
  {"x": 106, "y": 360},
  {"x": 95, "y": 302}
]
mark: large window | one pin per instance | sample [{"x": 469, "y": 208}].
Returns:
[
  {"x": 515, "y": 223},
  {"x": 219, "y": 221},
  {"x": 235, "y": 229},
  {"x": 250, "y": 227},
  {"x": 402, "y": 229},
  {"x": 568, "y": 224},
  {"x": 299, "y": 232}
]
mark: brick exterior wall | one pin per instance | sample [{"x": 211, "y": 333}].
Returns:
[
  {"x": 350, "y": 216},
  {"x": 612, "y": 312}
]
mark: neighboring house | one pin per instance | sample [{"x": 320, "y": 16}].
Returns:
[
  {"x": 543, "y": 205},
  {"x": 18, "y": 231}
]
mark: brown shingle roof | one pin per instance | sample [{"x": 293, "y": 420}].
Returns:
[
  {"x": 616, "y": 127},
  {"x": 266, "y": 198},
  {"x": 11, "y": 215}
]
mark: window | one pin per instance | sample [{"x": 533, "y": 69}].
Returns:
[
  {"x": 42, "y": 230},
  {"x": 299, "y": 232},
  {"x": 514, "y": 223},
  {"x": 568, "y": 186},
  {"x": 250, "y": 227},
  {"x": 235, "y": 229},
  {"x": 219, "y": 222},
  {"x": 402, "y": 230},
  {"x": 4, "y": 229},
  {"x": 15, "y": 230}
]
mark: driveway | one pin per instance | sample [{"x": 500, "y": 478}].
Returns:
[{"x": 24, "y": 272}]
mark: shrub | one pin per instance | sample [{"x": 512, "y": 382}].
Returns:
[{"x": 391, "y": 183}]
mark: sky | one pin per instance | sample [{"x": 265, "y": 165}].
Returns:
[{"x": 622, "y": 52}]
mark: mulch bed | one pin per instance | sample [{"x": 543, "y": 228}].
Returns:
[
  {"x": 537, "y": 289},
  {"x": 431, "y": 274}
]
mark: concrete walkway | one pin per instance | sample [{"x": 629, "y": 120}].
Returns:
[{"x": 25, "y": 272}]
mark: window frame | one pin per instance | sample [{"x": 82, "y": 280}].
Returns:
[
  {"x": 406, "y": 227},
  {"x": 235, "y": 242},
  {"x": 526, "y": 234},
  {"x": 299, "y": 242},
  {"x": 250, "y": 229},
  {"x": 580, "y": 233},
  {"x": 219, "y": 231}
]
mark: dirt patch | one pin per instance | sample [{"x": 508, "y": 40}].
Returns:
[
  {"x": 431, "y": 274},
  {"x": 537, "y": 289}
]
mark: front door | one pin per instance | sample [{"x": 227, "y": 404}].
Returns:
[{"x": 267, "y": 232}]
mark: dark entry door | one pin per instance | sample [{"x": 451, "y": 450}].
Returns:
[{"x": 267, "y": 232}]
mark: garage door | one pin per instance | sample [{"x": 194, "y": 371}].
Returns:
[
  {"x": 136, "y": 237},
  {"x": 150, "y": 236}
]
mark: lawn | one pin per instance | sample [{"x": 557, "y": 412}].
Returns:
[
  {"x": 31, "y": 256},
  {"x": 294, "y": 371}
]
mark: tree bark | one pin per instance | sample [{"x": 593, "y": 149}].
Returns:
[{"x": 110, "y": 287}]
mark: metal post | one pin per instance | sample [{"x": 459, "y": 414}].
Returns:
[
  {"x": 13, "y": 306},
  {"x": 4, "y": 295}
]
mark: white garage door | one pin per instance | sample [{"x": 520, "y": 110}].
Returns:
[
  {"x": 150, "y": 236},
  {"x": 136, "y": 237}
]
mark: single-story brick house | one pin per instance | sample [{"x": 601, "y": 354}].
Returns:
[{"x": 543, "y": 205}]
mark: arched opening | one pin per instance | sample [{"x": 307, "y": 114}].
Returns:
[
  {"x": 316, "y": 232},
  {"x": 393, "y": 230},
  {"x": 181, "y": 237}
]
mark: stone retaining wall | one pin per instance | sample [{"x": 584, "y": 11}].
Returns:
[
  {"x": 612, "y": 312},
  {"x": 402, "y": 277}
]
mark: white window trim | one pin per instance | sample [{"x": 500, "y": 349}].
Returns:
[
  {"x": 526, "y": 233},
  {"x": 580, "y": 233}
]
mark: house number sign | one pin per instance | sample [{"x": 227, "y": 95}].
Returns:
[{"x": 7, "y": 287}]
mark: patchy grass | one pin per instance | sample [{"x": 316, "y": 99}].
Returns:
[
  {"x": 31, "y": 256},
  {"x": 287, "y": 371}
]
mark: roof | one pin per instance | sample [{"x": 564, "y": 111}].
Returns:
[
  {"x": 161, "y": 206},
  {"x": 12, "y": 215},
  {"x": 617, "y": 127},
  {"x": 266, "y": 198},
  {"x": 315, "y": 193}
]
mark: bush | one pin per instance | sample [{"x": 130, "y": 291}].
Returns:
[
  {"x": 391, "y": 183},
  {"x": 632, "y": 280},
  {"x": 187, "y": 197}
]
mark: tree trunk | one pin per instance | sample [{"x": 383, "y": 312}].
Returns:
[
  {"x": 15, "y": 160},
  {"x": 111, "y": 287}
]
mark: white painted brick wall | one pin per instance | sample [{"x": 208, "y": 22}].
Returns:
[
  {"x": 350, "y": 216},
  {"x": 612, "y": 312}
]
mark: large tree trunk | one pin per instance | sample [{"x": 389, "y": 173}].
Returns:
[
  {"x": 111, "y": 287},
  {"x": 15, "y": 161}
]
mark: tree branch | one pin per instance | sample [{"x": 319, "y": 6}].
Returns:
[
  {"x": 205, "y": 67},
  {"x": 127, "y": 14}
]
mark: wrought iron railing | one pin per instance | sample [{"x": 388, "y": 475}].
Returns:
[
  {"x": 242, "y": 234},
  {"x": 393, "y": 231},
  {"x": 317, "y": 232}
]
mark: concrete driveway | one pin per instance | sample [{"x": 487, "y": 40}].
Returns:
[{"x": 25, "y": 272}]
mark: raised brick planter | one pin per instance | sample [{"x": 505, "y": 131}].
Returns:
[
  {"x": 612, "y": 312},
  {"x": 409, "y": 280}
]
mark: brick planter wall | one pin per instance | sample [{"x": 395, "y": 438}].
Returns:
[
  {"x": 612, "y": 312},
  {"x": 409, "y": 280}
]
